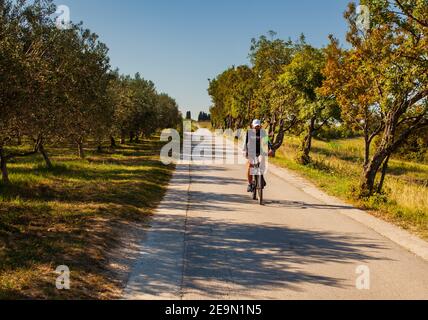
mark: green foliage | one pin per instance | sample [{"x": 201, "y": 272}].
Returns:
[
  {"x": 416, "y": 148},
  {"x": 232, "y": 93},
  {"x": 139, "y": 109},
  {"x": 390, "y": 60},
  {"x": 377, "y": 88},
  {"x": 280, "y": 88},
  {"x": 57, "y": 86},
  {"x": 336, "y": 131}
]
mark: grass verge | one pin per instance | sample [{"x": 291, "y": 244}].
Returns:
[
  {"x": 72, "y": 215},
  {"x": 337, "y": 167}
]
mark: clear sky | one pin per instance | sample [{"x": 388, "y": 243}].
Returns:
[{"x": 180, "y": 44}]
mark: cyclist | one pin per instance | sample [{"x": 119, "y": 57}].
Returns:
[{"x": 255, "y": 140}]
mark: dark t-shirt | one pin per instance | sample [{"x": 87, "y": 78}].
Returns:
[{"x": 255, "y": 140}]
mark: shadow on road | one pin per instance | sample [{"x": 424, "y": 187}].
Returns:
[
  {"x": 263, "y": 256},
  {"x": 254, "y": 257},
  {"x": 303, "y": 205},
  {"x": 220, "y": 253}
]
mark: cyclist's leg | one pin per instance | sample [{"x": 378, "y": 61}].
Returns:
[{"x": 249, "y": 175}]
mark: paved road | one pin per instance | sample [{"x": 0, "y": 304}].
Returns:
[{"x": 209, "y": 240}]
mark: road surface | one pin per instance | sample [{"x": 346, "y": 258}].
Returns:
[{"x": 209, "y": 240}]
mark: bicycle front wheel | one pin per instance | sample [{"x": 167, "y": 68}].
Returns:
[
  {"x": 255, "y": 186},
  {"x": 260, "y": 189}
]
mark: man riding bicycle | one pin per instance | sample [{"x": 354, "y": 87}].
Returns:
[{"x": 256, "y": 143}]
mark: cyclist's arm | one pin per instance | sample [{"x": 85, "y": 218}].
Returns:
[
  {"x": 245, "y": 146},
  {"x": 271, "y": 151}
]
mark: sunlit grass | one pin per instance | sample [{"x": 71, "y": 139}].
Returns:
[
  {"x": 69, "y": 215},
  {"x": 337, "y": 168},
  {"x": 205, "y": 125}
]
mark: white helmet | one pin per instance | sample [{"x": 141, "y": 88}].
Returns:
[{"x": 257, "y": 123}]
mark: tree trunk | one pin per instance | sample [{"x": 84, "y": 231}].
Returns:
[
  {"x": 131, "y": 137},
  {"x": 305, "y": 158},
  {"x": 19, "y": 140},
  {"x": 382, "y": 179},
  {"x": 112, "y": 142},
  {"x": 80, "y": 150},
  {"x": 279, "y": 139},
  {"x": 3, "y": 167},
  {"x": 384, "y": 151},
  {"x": 366, "y": 150},
  {"x": 45, "y": 156},
  {"x": 272, "y": 127},
  {"x": 369, "y": 176}
]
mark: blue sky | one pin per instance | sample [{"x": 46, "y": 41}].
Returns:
[{"x": 180, "y": 44}]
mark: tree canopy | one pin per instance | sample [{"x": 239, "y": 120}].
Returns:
[
  {"x": 378, "y": 87},
  {"x": 56, "y": 85}
]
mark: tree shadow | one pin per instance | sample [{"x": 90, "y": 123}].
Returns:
[
  {"x": 221, "y": 254},
  {"x": 303, "y": 205},
  {"x": 331, "y": 153},
  {"x": 129, "y": 182},
  {"x": 36, "y": 240},
  {"x": 399, "y": 170},
  {"x": 249, "y": 257},
  {"x": 69, "y": 216}
]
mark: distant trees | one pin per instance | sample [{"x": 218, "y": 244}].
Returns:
[
  {"x": 204, "y": 117},
  {"x": 189, "y": 115},
  {"x": 138, "y": 109},
  {"x": 168, "y": 112},
  {"x": 57, "y": 86},
  {"x": 378, "y": 87}
]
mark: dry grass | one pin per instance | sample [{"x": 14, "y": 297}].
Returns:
[
  {"x": 71, "y": 215},
  {"x": 337, "y": 167}
]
